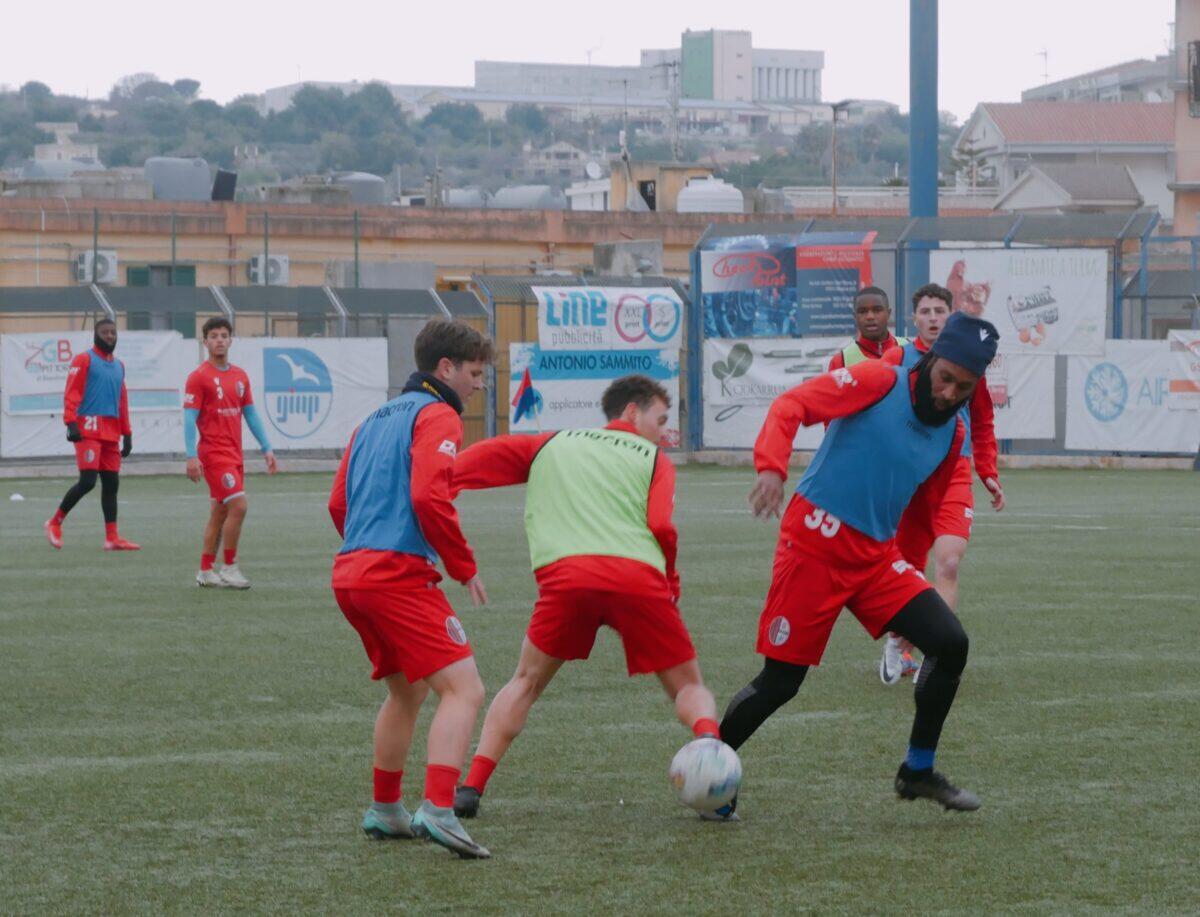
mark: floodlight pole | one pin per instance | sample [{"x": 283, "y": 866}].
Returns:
[
  {"x": 922, "y": 129},
  {"x": 836, "y": 108}
]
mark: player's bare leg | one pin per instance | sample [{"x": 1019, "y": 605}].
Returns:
[
  {"x": 231, "y": 533},
  {"x": 693, "y": 701},
  {"x": 211, "y": 542},
  {"x": 948, "y": 552},
  {"x": 387, "y": 818},
  {"x": 504, "y": 721},
  {"x": 460, "y": 695}
]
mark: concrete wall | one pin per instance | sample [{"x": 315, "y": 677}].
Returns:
[{"x": 1187, "y": 128}]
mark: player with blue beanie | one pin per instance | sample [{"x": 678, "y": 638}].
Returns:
[{"x": 891, "y": 429}]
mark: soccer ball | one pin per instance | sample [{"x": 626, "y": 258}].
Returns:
[{"x": 706, "y": 774}]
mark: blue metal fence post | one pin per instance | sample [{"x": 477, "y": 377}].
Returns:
[
  {"x": 695, "y": 358},
  {"x": 1144, "y": 273},
  {"x": 922, "y": 126}
]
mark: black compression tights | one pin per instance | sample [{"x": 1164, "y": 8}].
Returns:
[
  {"x": 109, "y": 482},
  {"x": 926, "y": 621}
]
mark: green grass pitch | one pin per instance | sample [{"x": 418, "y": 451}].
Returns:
[{"x": 164, "y": 748}]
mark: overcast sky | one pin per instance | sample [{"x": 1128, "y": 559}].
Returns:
[{"x": 989, "y": 51}]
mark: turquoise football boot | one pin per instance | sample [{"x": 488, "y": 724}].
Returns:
[
  {"x": 388, "y": 823},
  {"x": 442, "y": 826}
]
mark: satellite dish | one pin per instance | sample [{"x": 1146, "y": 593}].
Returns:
[{"x": 592, "y": 170}]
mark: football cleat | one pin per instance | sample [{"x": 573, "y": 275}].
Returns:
[
  {"x": 392, "y": 825},
  {"x": 440, "y": 825},
  {"x": 120, "y": 544},
  {"x": 727, "y": 812},
  {"x": 232, "y": 577},
  {"x": 929, "y": 784},
  {"x": 891, "y": 666},
  {"x": 909, "y": 667},
  {"x": 209, "y": 578},
  {"x": 466, "y": 802},
  {"x": 54, "y": 533}
]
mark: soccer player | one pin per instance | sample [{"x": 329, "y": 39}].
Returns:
[
  {"x": 872, "y": 312},
  {"x": 391, "y": 503},
  {"x": 598, "y": 518},
  {"x": 942, "y": 524},
  {"x": 96, "y": 413},
  {"x": 892, "y": 429},
  {"x": 215, "y": 400}
]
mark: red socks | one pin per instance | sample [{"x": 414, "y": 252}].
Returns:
[
  {"x": 207, "y": 561},
  {"x": 110, "y": 531},
  {"x": 440, "y": 780},
  {"x": 387, "y": 785},
  {"x": 705, "y": 726},
  {"x": 480, "y": 773},
  {"x": 58, "y": 517},
  {"x": 230, "y": 557}
]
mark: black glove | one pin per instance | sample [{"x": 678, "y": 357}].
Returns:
[
  {"x": 73, "y": 434},
  {"x": 126, "y": 445}
]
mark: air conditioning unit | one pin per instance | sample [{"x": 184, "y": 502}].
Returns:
[
  {"x": 104, "y": 262},
  {"x": 276, "y": 274}
]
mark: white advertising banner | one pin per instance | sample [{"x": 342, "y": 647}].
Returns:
[
  {"x": 561, "y": 389},
  {"x": 1119, "y": 401},
  {"x": 313, "y": 392},
  {"x": 1022, "y": 390},
  {"x": 33, "y": 377},
  {"x": 1183, "y": 393},
  {"x": 1045, "y": 300},
  {"x": 743, "y": 377},
  {"x": 609, "y": 318}
]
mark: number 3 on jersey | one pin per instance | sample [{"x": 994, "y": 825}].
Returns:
[{"x": 828, "y": 523}]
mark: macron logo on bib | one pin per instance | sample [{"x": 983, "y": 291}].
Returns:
[{"x": 448, "y": 448}]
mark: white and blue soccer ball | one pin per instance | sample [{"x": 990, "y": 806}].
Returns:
[{"x": 706, "y": 774}]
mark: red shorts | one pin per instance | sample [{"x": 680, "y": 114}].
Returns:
[
  {"x": 808, "y": 592},
  {"x": 225, "y": 481},
  {"x": 94, "y": 455},
  {"x": 564, "y": 625},
  {"x": 409, "y": 631},
  {"x": 922, "y": 523}
]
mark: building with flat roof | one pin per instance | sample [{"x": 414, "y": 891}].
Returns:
[{"x": 1139, "y": 80}]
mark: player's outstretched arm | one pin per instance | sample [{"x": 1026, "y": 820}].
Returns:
[{"x": 497, "y": 462}]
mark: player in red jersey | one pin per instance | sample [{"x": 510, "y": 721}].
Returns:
[
  {"x": 391, "y": 504},
  {"x": 598, "y": 505},
  {"x": 96, "y": 413},
  {"x": 215, "y": 400},
  {"x": 871, "y": 315},
  {"x": 942, "y": 523}
]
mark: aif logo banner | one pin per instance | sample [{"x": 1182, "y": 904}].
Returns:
[{"x": 298, "y": 390}]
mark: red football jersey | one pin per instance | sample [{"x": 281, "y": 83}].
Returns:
[{"x": 219, "y": 396}]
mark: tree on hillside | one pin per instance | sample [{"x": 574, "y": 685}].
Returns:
[
  {"x": 186, "y": 88},
  {"x": 124, "y": 87},
  {"x": 462, "y": 122},
  {"x": 527, "y": 118}
]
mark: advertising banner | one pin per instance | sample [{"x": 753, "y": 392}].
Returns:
[
  {"x": 561, "y": 389},
  {"x": 1022, "y": 390},
  {"x": 783, "y": 286},
  {"x": 742, "y": 378},
  {"x": 1041, "y": 300},
  {"x": 1183, "y": 391},
  {"x": 33, "y": 377},
  {"x": 609, "y": 318},
  {"x": 312, "y": 392},
  {"x": 1119, "y": 401}
]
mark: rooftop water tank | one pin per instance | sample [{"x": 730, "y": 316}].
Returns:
[
  {"x": 529, "y": 197},
  {"x": 709, "y": 195},
  {"x": 365, "y": 188},
  {"x": 178, "y": 179},
  {"x": 465, "y": 198}
]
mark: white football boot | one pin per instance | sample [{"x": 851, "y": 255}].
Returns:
[
  {"x": 232, "y": 577},
  {"x": 891, "y": 666},
  {"x": 209, "y": 578}
]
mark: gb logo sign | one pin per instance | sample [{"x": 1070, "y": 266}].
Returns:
[{"x": 298, "y": 388}]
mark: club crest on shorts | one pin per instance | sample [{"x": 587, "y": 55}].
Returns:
[
  {"x": 454, "y": 630},
  {"x": 779, "y": 631},
  {"x": 228, "y": 480},
  {"x": 90, "y": 456},
  {"x": 298, "y": 389}
]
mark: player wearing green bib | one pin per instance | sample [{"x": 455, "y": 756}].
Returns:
[
  {"x": 871, "y": 316},
  {"x": 602, "y": 545}
]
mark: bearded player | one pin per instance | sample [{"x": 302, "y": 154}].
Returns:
[
  {"x": 391, "y": 503},
  {"x": 215, "y": 400},
  {"x": 96, "y": 413},
  {"x": 943, "y": 523},
  {"x": 892, "y": 429},
  {"x": 598, "y": 505},
  {"x": 872, "y": 314}
]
